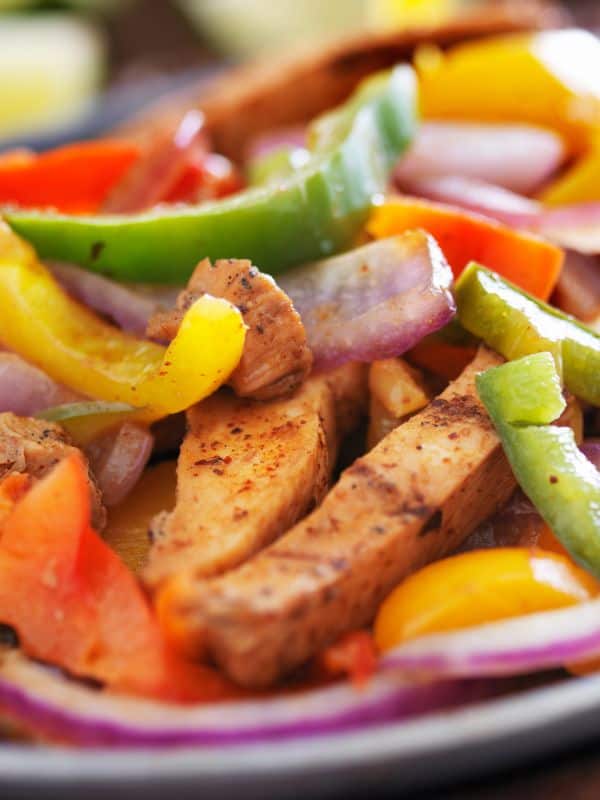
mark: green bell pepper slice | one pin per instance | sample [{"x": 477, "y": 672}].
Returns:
[
  {"x": 311, "y": 213},
  {"x": 523, "y": 397},
  {"x": 516, "y": 324}
]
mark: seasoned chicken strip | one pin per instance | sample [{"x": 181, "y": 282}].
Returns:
[
  {"x": 412, "y": 499},
  {"x": 276, "y": 357},
  {"x": 33, "y": 447},
  {"x": 247, "y": 471}
]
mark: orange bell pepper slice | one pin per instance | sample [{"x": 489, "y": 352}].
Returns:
[
  {"x": 441, "y": 358},
  {"x": 528, "y": 261},
  {"x": 73, "y": 603},
  {"x": 74, "y": 179},
  {"x": 479, "y": 587}
]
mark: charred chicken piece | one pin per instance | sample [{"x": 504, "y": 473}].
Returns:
[
  {"x": 413, "y": 499},
  {"x": 276, "y": 357},
  {"x": 248, "y": 471}
]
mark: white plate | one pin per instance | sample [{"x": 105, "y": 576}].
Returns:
[{"x": 418, "y": 754}]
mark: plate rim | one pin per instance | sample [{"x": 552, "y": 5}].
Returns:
[{"x": 441, "y": 734}]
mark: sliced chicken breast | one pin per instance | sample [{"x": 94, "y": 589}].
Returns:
[
  {"x": 247, "y": 471},
  {"x": 414, "y": 498}
]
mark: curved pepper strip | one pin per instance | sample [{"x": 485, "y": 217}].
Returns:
[
  {"x": 478, "y": 587},
  {"x": 74, "y": 179},
  {"x": 316, "y": 211},
  {"x": 579, "y": 184},
  {"x": 516, "y": 324},
  {"x": 531, "y": 262},
  {"x": 75, "y": 347},
  {"x": 523, "y": 398},
  {"x": 550, "y": 79}
]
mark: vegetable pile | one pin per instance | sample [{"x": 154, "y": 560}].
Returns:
[{"x": 306, "y": 444}]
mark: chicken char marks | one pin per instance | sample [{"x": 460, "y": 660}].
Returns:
[
  {"x": 411, "y": 500},
  {"x": 276, "y": 357},
  {"x": 248, "y": 470}
]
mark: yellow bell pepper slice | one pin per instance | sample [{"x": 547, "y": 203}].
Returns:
[
  {"x": 75, "y": 347},
  {"x": 129, "y": 522},
  {"x": 402, "y": 14},
  {"x": 580, "y": 184},
  {"x": 479, "y": 587},
  {"x": 551, "y": 79}
]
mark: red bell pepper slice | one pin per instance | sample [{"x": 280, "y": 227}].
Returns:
[{"x": 74, "y": 179}]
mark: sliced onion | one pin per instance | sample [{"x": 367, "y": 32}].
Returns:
[
  {"x": 576, "y": 227},
  {"x": 130, "y": 307},
  {"x": 374, "y": 302},
  {"x": 530, "y": 643},
  {"x": 578, "y": 289},
  {"x": 159, "y": 171},
  {"x": 591, "y": 450},
  {"x": 118, "y": 459},
  {"x": 268, "y": 143},
  {"x": 480, "y": 197},
  {"x": 26, "y": 390},
  {"x": 47, "y": 704},
  {"x": 518, "y": 157}
]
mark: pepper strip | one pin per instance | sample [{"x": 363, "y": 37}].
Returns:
[
  {"x": 74, "y": 179},
  {"x": 516, "y": 324},
  {"x": 78, "y": 349},
  {"x": 531, "y": 262},
  {"x": 316, "y": 211},
  {"x": 523, "y": 397}
]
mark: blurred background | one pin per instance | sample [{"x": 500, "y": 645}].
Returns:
[{"x": 70, "y": 69}]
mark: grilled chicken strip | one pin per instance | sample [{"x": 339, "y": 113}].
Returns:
[
  {"x": 33, "y": 447},
  {"x": 247, "y": 471},
  {"x": 414, "y": 498},
  {"x": 276, "y": 357}
]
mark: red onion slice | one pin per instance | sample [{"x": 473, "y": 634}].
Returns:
[
  {"x": 130, "y": 307},
  {"x": 517, "y": 157},
  {"x": 47, "y": 704},
  {"x": 26, "y": 390},
  {"x": 530, "y": 643},
  {"x": 374, "y": 302},
  {"x": 480, "y": 197},
  {"x": 578, "y": 288},
  {"x": 576, "y": 227},
  {"x": 267, "y": 143},
  {"x": 118, "y": 459},
  {"x": 591, "y": 450},
  {"x": 158, "y": 172}
]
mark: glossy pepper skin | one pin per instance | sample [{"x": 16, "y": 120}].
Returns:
[
  {"x": 515, "y": 324},
  {"x": 75, "y": 347},
  {"x": 312, "y": 213},
  {"x": 552, "y": 471},
  {"x": 479, "y": 587},
  {"x": 550, "y": 79}
]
